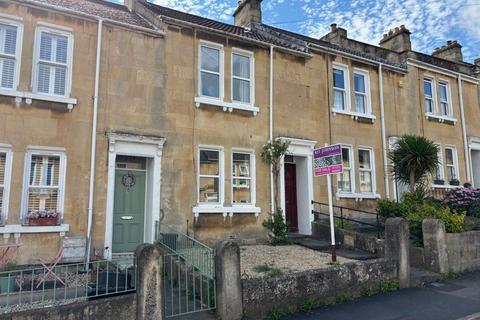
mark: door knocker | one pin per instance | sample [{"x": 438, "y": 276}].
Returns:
[{"x": 128, "y": 180}]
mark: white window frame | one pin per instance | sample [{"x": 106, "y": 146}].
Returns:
[
  {"x": 434, "y": 95},
  {"x": 440, "y": 169},
  {"x": 367, "y": 94},
  {"x": 346, "y": 91},
  {"x": 44, "y": 151},
  {"x": 17, "y": 22},
  {"x": 7, "y": 149},
  {"x": 372, "y": 169},
  {"x": 221, "y": 73},
  {"x": 446, "y": 83},
  {"x": 352, "y": 170},
  {"x": 252, "y": 178},
  {"x": 221, "y": 176},
  {"x": 61, "y": 31},
  {"x": 251, "y": 56},
  {"x": 455, "y": 161}
]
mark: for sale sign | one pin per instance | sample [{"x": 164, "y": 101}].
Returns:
[{"x": 327, "y": 160}]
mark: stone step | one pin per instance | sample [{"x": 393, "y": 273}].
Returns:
[
  {"x": 324, "y": 246},
  {"x": 313, "y": 244},
  {"x": 420, "y": 277}
]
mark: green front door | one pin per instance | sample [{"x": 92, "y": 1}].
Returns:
[{"x": 128, "y": 210}]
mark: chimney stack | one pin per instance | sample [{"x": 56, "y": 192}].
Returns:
[
  {"x": 248, "y": 12},
  {"x": 132, "y": 4},
  {"x": 397, "y": 39},
  {"x": 335, "y": 35},
  {"x": 451, "y": 51}
]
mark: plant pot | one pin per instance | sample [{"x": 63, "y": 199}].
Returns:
[
  {"x": 43, "y": 222},
  {"x": 439, "y": 182},
  {"x": 454, "y": 182},
  {"x": 7, "y": 284}
]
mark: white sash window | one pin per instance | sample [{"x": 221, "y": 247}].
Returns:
[{"x": 10, "y": 52}]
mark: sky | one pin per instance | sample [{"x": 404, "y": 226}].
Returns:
[{"x": 432, "y": 22}]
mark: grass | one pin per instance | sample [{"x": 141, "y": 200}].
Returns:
[
  {"x": 366, "y": 292},
  {"x": 308, "y": 305},
  {"x": 274, "y": 314},
  {"x": 450, "y": 276},
  {"x": 343, "y": 297},
  {"x": 268, "y": 270},
  {"x": 389, "y": 286}
]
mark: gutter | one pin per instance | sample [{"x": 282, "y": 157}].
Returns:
[
  {"x": 70, "y": 12},
  {"x": 464, "y": 129},
  {"x": 93, "y": 144},
  {"x": 270, "y": 126},
  {"x": 441, "y": 70},
  {"x": 384, "y": 137}
]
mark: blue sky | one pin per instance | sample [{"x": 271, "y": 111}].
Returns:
[{"x": 432, "y": 22}]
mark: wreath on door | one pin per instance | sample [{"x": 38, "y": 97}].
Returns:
[{"x": 128, "y": 180}]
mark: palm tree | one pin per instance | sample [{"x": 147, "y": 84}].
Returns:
[{"x": 414, "y": 158}]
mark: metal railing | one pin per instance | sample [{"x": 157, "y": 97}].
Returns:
[
  {"x": 356, "y": 219},
  {"x": 192, "y": 251},
  {"x": 35, "y": 287},
  {"x": 186, "y": 289}
]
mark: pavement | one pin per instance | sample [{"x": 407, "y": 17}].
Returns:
[{"x": 453, "y": 300}]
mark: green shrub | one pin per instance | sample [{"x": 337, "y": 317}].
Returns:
[
  {"x": 474, "y": 209},
  {"x": 366, "y": 292},
  {"x": 308, "y": 305},
  {"x": 391, "y": 209},
  {"x": 277, "y": 225},
  {"x": 274, "y": 314},
  {"x": 268, "y": 270},
  {"x": 342, "y": 297},
  {"x": 389, "y": 286}
]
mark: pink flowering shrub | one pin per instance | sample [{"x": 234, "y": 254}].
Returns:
[{"x": 462, "y": 199}]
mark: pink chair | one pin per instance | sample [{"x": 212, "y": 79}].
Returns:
[{"x": 49, "y": 265}]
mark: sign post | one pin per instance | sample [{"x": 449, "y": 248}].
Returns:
[{"x": 328, "y": 161}]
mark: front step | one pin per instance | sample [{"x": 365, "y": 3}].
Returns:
[
  {"x": 325, "y": 246},
  {"x": 421, "y": 277}
]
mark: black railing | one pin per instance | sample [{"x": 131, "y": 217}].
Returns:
[{"x": 364, "y": 219}]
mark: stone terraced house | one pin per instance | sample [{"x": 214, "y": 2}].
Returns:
[{"x": 123, "y": 118}]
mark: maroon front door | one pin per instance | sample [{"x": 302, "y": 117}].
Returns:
[{"x": 291, "y": 197}]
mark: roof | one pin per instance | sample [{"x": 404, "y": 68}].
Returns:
[
  {"x": 264, "y": 33},
  {"x": 97, "y": 8}
]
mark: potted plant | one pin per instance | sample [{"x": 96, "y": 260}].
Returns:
[
  {"x": 43, "y": 218},
  {"x": 438, "y": 182},
  {"x": 7, "y": 279},
  {"x": 454, "y": 182}
]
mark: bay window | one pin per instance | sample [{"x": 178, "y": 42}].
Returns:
[
  {"x": 365, "y": 167},
  {"x": 345, "y": 181},
  {"x": 10, "y": 51},
  {"x": 242, "y": 178},
  {"x": 45, "y": 183},
  {"x": 211, "y": 71},
  {"x": 242, "y": 77},
  {"x": 53, "y": 62}
]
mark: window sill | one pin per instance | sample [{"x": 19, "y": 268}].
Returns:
[
  {"x": 18, "y": 228},
  {"x": 357, "y": 116},
  {"x": 440, "y": 119},
  {"x": 238, "y": 208},
  {"x": 445, "y": 186},
  {"x": 30, "y": 96},
  {"x": 357, "y": 196},
  {"x": 227, "y": 106}
]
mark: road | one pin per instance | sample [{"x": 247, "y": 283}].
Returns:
[{"x": 452, "y": 300}]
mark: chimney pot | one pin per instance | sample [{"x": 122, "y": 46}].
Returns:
[{"x": 334, "y": 27}]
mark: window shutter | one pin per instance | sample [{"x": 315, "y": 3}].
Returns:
[
  {"x": 60, "y": 80},
  {"x": 46, "y": 47},
  {"x": 7, "y": 67},
  {"x": 43, "y": 78},
  {"x": 62, "y": 46},
  {"x": 10, "y": 43}
]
